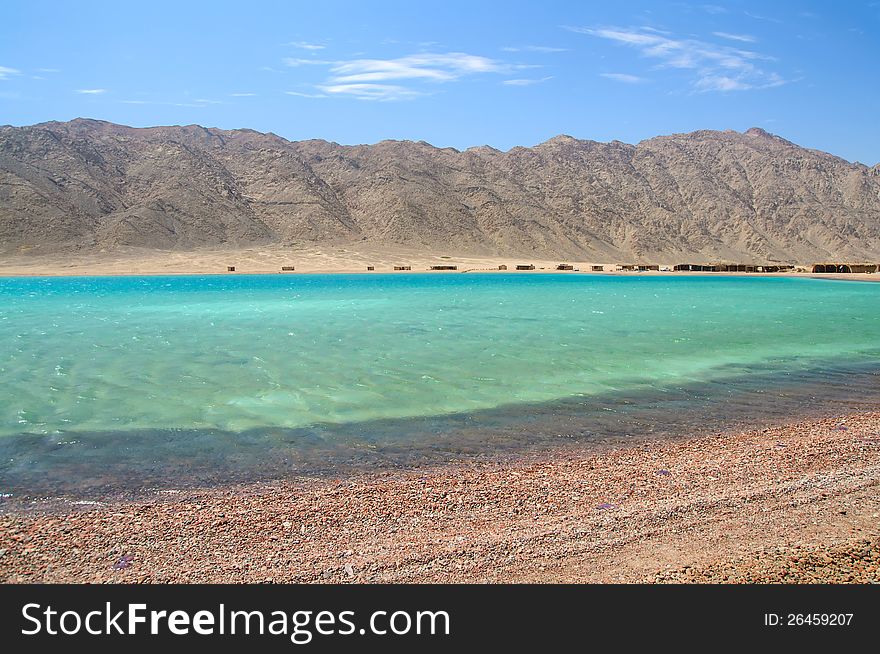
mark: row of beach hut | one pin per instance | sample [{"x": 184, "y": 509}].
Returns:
[
  {"x": 687, "y": 267},
  {"x": 846, "y": 268},
  {"x": 774, "y": 268},
  {"x": 732, "y": 267}
]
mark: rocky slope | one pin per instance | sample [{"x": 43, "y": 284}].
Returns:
[{"x": 92, "y": 185}]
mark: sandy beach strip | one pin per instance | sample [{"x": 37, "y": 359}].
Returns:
[
  {"x": 340, "y": 258},
  {"x": 793, "y": 503}
]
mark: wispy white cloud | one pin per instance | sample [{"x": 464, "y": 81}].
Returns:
[
  {"x": 623, "y": 77},
  {"x": 714, "y": 67},
  {"x": 306, "y": 95},
  {"x": 745, "y": 38},
  {"x": 769, "y": 19},
  {"x": 526, "y": 82},
  {"x": 534, "y": 48},
  {"x": 6, "y": 72},
  {"x": 714, "y": 9},
  {"x": 199, "y": 103},
  {"x": 367, "y": 91},
  {"x": 48, "y": 70},
  {"x": 242, "y": 95},
  {"x": 305, "y": 45},
  {"x": 720, "y": 83},
  {"x": 399, "y": 78},
  {"x": 293, "y": 62},
  {"x": 91, "y": 91},
  {"x": 437, "y": 67}
]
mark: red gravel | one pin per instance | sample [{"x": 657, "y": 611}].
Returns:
[{"x": 794, "y": 503}]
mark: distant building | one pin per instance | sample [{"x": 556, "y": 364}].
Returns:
[
  {"x": 845, "y": 268},
  {"x": 695, "y": 267}
]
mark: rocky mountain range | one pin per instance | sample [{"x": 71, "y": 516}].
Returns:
[{"x": 91, "y": 185}]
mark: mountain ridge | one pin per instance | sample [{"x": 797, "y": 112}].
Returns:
[{"x": 88, "y": 185}]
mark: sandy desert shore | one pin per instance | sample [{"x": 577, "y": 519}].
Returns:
[
  {"x": 791, "y": 503},
  {"x": 343, "y": 258}
]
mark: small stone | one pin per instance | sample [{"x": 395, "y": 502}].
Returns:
[{"x": 123, "y": 563}]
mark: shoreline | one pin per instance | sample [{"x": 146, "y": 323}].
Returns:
[
  {"x": 330, "y": 259},
  {"x": 795, "y": 502},
  {"x": 846, "y": 277}
]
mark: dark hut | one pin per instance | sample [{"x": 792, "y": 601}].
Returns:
[
  {"x": 738, "y": 267},
  {"x": 695, "y": 267},
  {"x": 845, "y": 268}
]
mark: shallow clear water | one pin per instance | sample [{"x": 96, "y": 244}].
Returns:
[{"x": 97, "y": 369}]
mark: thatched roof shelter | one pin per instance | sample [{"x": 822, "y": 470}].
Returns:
[
  {"x": 695, "y": 267},
  {"x": 845, "y": 268},
  {"x": 753, "y": 268}
]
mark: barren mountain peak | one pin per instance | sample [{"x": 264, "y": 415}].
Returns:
[
  {"x": 707, "y": 195},
  {"x": 561, "y": 139},
  {"x": 487, "y": 149}
]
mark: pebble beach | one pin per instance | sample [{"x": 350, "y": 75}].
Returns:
[{"x": 791, "y": 503}]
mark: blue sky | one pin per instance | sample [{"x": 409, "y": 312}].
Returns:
[{"x": 453, "y": 73}]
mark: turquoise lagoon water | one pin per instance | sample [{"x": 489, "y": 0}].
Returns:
[{"x": 103, "y": 378}]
